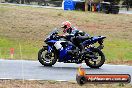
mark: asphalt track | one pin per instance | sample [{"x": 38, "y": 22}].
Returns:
[{"x": 33, "y": 70}]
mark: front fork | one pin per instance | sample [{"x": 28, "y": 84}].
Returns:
[
  {"x": 48, "y": 48},
  {"x": 100, "y": 47}
]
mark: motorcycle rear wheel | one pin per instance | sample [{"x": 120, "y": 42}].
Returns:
[
  {"x": 45, "y": 58},
  {"x": 94, "y": 64}
]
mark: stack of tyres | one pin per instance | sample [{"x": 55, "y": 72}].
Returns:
[
  {"x": 115, "y": 9},
  {"x": 79, "y": 5},
  {"x": 108, "y": 7}
]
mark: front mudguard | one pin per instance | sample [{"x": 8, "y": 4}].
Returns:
[{"x": 45, "y": 47}]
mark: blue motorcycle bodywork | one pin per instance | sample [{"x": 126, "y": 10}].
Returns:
[
  {"x": 63, "y": 55},
  {"x": 63, "y": 52},
  {"x": 93, "y": 40}
]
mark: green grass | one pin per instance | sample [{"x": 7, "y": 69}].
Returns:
[
  {"x": 113, "y": 50},
  {"x": 2, "y": 10},
  {"x": 118, "y": 50},
  {"x": 22, "y": 49}
]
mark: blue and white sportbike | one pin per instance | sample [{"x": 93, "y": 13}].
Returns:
[{"x": 58, "y": 50}]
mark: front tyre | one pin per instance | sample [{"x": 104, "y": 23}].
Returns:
[
  {"x": 45, "y": 58},
  {"x": 97, "y": 60}
]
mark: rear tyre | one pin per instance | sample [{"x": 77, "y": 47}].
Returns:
[
  {"x": 96, "y": 62},
  {"x": 45, "y": 58}
]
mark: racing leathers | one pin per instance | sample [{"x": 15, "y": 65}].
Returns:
[{"x": 78, "y": 38}]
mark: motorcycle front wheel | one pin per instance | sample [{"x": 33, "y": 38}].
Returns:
[
  {"x": 45, "y": 58},
  {"x": 97, "y": 60}
]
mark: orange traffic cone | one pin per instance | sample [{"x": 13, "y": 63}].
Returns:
[{"x": 81, "y": 71}]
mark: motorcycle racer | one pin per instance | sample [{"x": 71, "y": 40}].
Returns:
[{"x": 78, "y": 35}]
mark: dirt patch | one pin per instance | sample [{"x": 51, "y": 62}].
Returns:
[
  {"x": 54, "y": 84},
  {"x": 119, "y": 62},
  {"x": 35, "y": 23}
]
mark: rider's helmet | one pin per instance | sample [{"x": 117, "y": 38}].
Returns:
[{"x": 67, "y": 27}]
